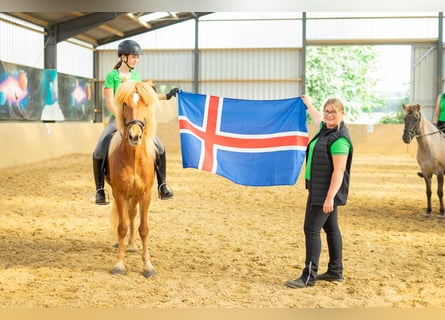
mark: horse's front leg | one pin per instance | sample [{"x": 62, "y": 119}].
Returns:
[
  {"x": 148, "y": 270},
  {"x": 440, "y": 195},
  {"x": 122, "y": 228},
  {"x": 132, "y": 211},
  {"x": 428, "y": 197}
]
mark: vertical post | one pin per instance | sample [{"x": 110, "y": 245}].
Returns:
[
  {"x": 303, "y": 62},
  {"x": 50, "y": 59},
  {"x": 98, "y": 109},
  {"x": 196, "y": 59},
  {"x": 440, "y": 70}
]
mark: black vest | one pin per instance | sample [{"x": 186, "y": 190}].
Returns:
[{"x": 322, "y": 166}]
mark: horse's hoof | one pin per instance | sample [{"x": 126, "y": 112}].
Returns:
[
  {"x": 118, "y": 272},
  {"x": 441, "y": 216},
  {"x": 426, "y": 215},
  {"x": 132, "y": 250},
  {"x": 148, "y": 273}
]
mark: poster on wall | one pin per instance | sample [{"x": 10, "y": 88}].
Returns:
[
  {"x": 76, "y": 97},
  {"x": 18, "y": 99},
  {"x": 34, "y": 94},
  {"x": 49, "y": 95}
]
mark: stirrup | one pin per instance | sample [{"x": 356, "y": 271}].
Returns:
[
  {"x": 105, "y": 198},
  {"x": 166, "y": 196}
]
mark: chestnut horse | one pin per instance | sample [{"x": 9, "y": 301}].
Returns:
[
  {"x": 131, "y": 167},
  {"x": 430, "y": 151}
]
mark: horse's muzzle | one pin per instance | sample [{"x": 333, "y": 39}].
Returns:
[
  {"x": 408, "y": 136},
  {"x": 134, "y": 139},
  {"x": 407, "y": 140},
  {"x": 135, "y": 131}
]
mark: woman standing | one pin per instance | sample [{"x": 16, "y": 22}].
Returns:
[
  {"x": 328, "y": 165},
  {"x": 128, "y": 52}
]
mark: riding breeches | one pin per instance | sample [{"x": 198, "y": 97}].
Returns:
[
  {"x": 101, "y": 150},
  {"x": 160, "y": 149}
]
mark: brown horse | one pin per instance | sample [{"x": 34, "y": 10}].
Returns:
[
  {"x": 430, "y": 151},
  {"x": 131, "y": 167}
]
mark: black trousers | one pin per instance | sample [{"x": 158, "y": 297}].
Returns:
[{"x": 314, "y": 221}]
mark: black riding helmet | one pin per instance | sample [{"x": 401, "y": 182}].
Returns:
[{"x": 127, "y": 47}]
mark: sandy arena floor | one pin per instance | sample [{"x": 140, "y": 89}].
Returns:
[{"x": 216, "y": 244}]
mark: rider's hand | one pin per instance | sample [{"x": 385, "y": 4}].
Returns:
[{"x": 172, "y": 93}]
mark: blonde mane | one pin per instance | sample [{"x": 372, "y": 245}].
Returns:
[{"x": 147, "y": 102}]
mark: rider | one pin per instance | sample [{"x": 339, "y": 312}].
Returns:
[{"x": 128, "y": 52}]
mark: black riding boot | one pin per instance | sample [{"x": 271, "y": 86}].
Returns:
[
  {"x": 164, "y": 191},
  {"x": 99, "y": 179}
]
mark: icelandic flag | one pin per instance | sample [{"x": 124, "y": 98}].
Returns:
[{"x": 250, "y": 142}]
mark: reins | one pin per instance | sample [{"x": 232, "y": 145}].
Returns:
[{"x": 426, "y": 134}]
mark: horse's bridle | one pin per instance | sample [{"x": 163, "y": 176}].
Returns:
[
  {"x": 128, "y": 124},
  {"x": 414, "y": 133}
]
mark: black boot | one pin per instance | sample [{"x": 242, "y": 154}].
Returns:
[
  {"x": 307, "y": 278},
  {"x": 99, "y": 179},
  {"x": 164, "y": 191}
]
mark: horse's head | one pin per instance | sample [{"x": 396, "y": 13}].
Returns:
[
  {"x": 135, "y": 102},
  {"x": 412, "y": 122}
]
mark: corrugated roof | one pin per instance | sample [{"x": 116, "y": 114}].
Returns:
[{"x": 99, "y": 28}]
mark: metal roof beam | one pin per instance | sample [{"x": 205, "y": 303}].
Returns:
[
  {"x": 103, "y": 27},
  {"x": 71, "y": 28}
]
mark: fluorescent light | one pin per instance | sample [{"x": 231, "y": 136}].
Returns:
[{"x": 154, "y": 16}]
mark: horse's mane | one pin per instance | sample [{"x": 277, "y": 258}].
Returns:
[{"x": 148, "y": 100}]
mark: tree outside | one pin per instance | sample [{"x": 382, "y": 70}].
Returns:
[{"x": 349, "y": 73}]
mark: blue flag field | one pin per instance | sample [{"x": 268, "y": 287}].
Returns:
[{"x": 250, "y": 142}]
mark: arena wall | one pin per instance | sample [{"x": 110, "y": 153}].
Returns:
[{"x": 27, "y": 142}]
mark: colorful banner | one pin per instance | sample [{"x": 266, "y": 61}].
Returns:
[{"x": 34, "y": 94}]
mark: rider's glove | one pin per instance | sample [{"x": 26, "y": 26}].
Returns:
[{"x": 172, "y": 93}]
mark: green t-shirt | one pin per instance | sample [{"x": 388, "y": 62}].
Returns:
[
  {"x": 341, "y": 146},
  {"x": 114, "y": 79},
  {"x": 442, "y": 108}
]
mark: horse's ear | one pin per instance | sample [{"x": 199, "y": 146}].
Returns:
[{"x": 417, "y": 107}]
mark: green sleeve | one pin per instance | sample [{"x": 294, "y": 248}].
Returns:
[
  {"x": 112, "y": 80},
  {"x": 341, "y": 146}
]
